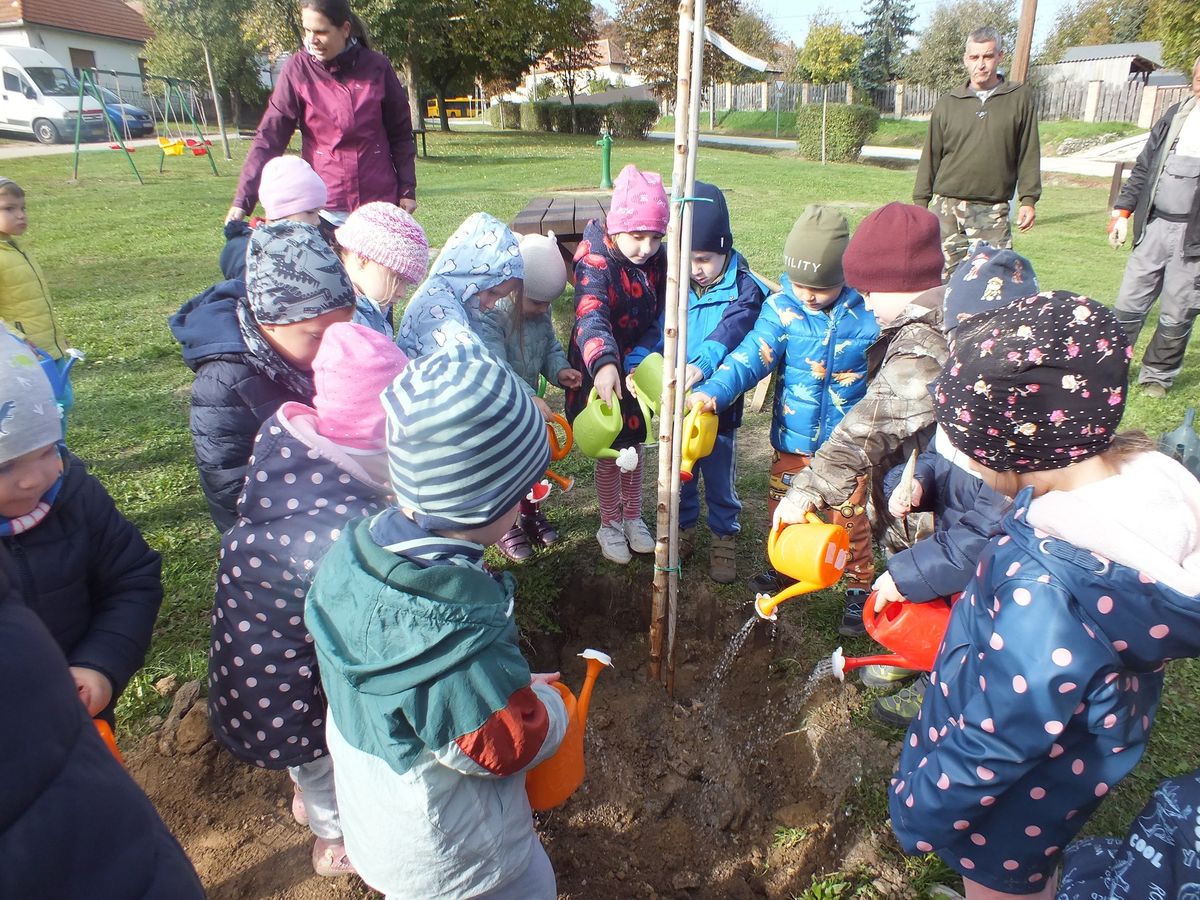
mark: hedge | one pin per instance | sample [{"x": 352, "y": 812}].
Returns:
[
  {"x": 632, "y": 118},
  {"x": 627, "y": 119},
  {"x": 847, "y": 128},
  {"x": 512, "y": 114}
]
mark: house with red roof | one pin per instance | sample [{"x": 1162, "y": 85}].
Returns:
[{"x": 80, "y": 34}]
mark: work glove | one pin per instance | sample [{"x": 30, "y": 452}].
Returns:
[{"x": 1118, "y": 228}]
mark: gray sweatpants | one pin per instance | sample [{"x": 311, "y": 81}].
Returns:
[
  {"x": 1157, "y": 269},
  {"x": 315, "y": 780}
]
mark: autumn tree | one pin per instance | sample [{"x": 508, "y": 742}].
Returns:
[
  {"x": 570, "y": 42},
  {"x": 937, "y": 60},
  {"x": 831, "y": 54},
  {"x": 651, "y": 30},
  {"x": 1095, "y": 22},
  {"x": 1177, "y": 24},
  {"x": 888, "y": 24},
  {"x": 753, "y": 32}
]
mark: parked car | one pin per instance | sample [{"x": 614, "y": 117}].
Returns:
[
  {"x": 126, "y": 118},
  {"x": 39, "y": 96}
]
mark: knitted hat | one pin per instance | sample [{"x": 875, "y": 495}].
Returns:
[
  {"x": 385, "y": 233},
  {"x": 711, "y": 232},
  {"x": 896, "y": 249},
  {"x": 1035, "y": 385},
  {"x": 29, "y": 416},
  {"x": 545, "y": 270},
  {"x": 465, "y": 441},
  {"x": 813, "y": 252},
  {"x": 292, "y": 275},
  {"x": 289, "y": 186},
  {"x": 352, "y": 367},
  {"x": 987, "y": 279},
  {"x": 639, "y": 203}
]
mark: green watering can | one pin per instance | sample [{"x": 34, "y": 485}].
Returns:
[
  {"x": 598, "y": 424},
  {"x": 1183, "y": 444},
  {"x": 648, "y": 379}
]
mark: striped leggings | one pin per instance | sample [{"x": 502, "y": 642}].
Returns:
[{"x": 619, "y": 493}]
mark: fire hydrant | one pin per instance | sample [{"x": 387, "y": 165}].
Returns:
[{"x": 605, "y": 144}]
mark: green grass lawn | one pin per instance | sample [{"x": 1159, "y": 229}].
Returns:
[{"x": 120, "y": 258}]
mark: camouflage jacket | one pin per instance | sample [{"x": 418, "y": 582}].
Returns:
[{"x": 894, "y": 417}]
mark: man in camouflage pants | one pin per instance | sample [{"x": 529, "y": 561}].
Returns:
[{"x": 982, "y": 145}]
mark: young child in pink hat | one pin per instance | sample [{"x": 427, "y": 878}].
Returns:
[
  {"x": 620, "y": 288},
  {"x": 314, "y": 468},
  {"x": 385, "y": 252}
]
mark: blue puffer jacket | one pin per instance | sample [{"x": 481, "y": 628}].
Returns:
[
  {"x": 966, "y": 513},
  {"x": 824, "y": 358},
  {"x": 91, "y": 578},
  {"x": 719, "y": 320},
  {"x": 233, "y": 394},
  {"x": 265, "y": 701},
  {"x": 69, "y": 813},
  {"x": 1049, "y": 677},
  {"x": 233, "y": 254}
]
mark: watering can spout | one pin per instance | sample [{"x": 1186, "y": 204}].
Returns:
[{"x": 766, "y": 605}]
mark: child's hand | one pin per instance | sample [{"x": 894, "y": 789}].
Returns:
[
  {"x": 709, "y": 404},
  {"x": 897, "y": 508},
  {"x": 543, "y": 408},
  {"x": 95, "y": 690},
  {"x": 544, "y": 677},
  {"x": 608, "y": 383},
  {"x": 792, "y": 509},
  {"x": 569, "y": 378},
  {"x": 886, "y": 592},
  {"x": 692, "y": 376}
]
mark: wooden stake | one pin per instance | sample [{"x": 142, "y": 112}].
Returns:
[{"x": 1021, "y": 53}]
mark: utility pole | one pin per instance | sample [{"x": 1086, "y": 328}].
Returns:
[{"x": 1021, "y": 53}]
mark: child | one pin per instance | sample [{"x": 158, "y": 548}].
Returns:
[
  {"x": 24, "y": 298},
  {"x": 521, "y": 332},
  {"x": 620, "y": 288},
  {"x": 314, "y": 468},
  {"x": 385, "y": 252},
  {"x": 80, "y": 565},
  {"x": 1049, "y": 677},
  {"x": 433, "y": 714},
  {"x": 816, "y": 331},
  {"x": 480, "y": 264},
  {"x": 252, "y": 347},
  {"x": 290, "y": 190},
  {"x": 965, "y": 510},
  {"x": 895, "y": 260}
]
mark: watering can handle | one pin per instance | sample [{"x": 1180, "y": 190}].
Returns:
[
  {"x": 559, "y": 450},
  {"x": 810, "y": 517}
]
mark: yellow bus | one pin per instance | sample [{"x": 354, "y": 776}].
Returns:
[{"x": 456, "y": 107}]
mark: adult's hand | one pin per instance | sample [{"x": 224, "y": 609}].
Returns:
[
  {"x": 1118, "y": 231},
  {"x": 407, "y": 204},
  {"x": 1025, "y": 217},
  {"x": 235, "y": 214}
]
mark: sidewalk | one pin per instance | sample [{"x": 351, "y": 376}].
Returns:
[{"x": 17, "y": 150}]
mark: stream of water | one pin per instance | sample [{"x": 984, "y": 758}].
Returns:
[{"x": 733, "y": 648}]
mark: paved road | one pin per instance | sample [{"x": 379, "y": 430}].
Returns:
[{"x": 17, "y": 150}]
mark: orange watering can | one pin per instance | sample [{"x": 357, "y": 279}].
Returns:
[
  {"x": 552, "y": 781},
  {"x": 914, "y": 631},
  {"x": 697, "y": 439},
  {"x": 110, "y": 741},
  {"x": 560, "y": 449},
  {"x": 814, "y": 553}
]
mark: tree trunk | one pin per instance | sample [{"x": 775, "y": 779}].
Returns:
[
  {"x": 824, "y": 109},
  {"x": 443, "y": 119},
  {"x": 416, "y": 110}
]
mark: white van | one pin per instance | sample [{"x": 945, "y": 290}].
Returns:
[{"x": 39, "y": 96}]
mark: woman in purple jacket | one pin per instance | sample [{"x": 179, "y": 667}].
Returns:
[{"x": 352, "y": 112}]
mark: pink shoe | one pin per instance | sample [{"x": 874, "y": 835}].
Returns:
[
  {"x": 299, "y": 813},
  {"x": 329, "y": 858}
]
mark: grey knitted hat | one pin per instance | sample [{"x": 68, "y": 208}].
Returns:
[{"x": 292, "y": 275}]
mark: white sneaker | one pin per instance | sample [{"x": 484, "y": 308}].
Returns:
[
  {"x": 612, "y": 544},
  {"x": 638, "y": 535}
]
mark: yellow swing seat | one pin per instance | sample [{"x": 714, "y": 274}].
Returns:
[{"x": 171, "y": 146}]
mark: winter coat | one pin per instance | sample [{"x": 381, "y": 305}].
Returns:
[
  {"x": 618, "y": 308},
  {"x": 480, "y": 255},
  {"x": 25, "y": 300},
  {"x": 982, "y": 151},
  {"x": 1137, "y": 195},
  {"x": 71, "y": 819},
  {"x": 895, "y": 415},
  {"x": 233, "y": 394},
  {"x": 1049, "y": 676},
  {"x": 233, "y": 254},
  {"x": 355, "y": 129},
  {"x": 823, "y": 354},
  {"x": 91, "y": 578},
  {"x": 432, "y": 717},
  {"x": 300, "y": 491},
  {"x": 530, "y": 347},
  {"x": 719, "y": 319},
  {"x": 966, "y": 513}
]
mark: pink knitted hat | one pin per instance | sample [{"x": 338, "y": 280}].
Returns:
[
  {"x": 386, "y": 234},
  {"x": 639, "y": 203},
  {"x": 353, "y": 366},
  {"x": 289, "y": 186}
]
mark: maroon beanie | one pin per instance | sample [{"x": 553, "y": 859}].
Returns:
[{"x": 897, "y": 250}]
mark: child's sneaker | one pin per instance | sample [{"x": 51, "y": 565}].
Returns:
[
  {"x": 539, "y": 529},
  {"x": 299, "y": 812},
  {"x": 885, "y": 676},
  {"x": 852, "y": 613},
  {"x": 613, "y": 544},
  {"x": 722, "y": 559},
  {"x": 639, "y": 537},
  {"x": 329, "y": 858},
  {"x": 687, "y": 543},
  {"x": 901, "y": 707},
  {"x": 515, "y": 544}
]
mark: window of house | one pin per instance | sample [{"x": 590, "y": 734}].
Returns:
[{"x": 82, "y": 59}]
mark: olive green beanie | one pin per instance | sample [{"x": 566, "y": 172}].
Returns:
[{"x": 813, "y": 252}]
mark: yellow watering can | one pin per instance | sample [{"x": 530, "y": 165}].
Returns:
[
  {"x": 648, "y": 380},
  {"x": 598, "y": 424},
  {"x": 812, "y": 552},
  {"x": 697, "y": 439},
  {"x": 552, "y": 781}
]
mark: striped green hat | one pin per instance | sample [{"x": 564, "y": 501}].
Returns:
[{"x": 465, "y": 441}]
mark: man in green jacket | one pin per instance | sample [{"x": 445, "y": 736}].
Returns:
[{"x": 982, "y": 144}]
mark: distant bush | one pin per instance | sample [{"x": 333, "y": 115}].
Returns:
[
  {"x": 589, "y": 119},
  {"x": 847, "y": 128},
  {"x": 505, "y": 114},
  {"x": 632, "y": 118},
  {"x": 537, "y": 116},
  {"x": 560, "y": 117}
]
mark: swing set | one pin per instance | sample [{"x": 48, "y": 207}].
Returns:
[{"x": 180, "y": 115}]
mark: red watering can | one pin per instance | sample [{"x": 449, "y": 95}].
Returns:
[
  {"x": 913, "y": 631},
  {"x": 559, "y": 449}
]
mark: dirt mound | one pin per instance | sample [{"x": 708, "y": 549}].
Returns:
[{"x": 737, "y": 787}]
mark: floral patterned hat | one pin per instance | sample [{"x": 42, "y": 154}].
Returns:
[{"x": 1035, "y": 385}]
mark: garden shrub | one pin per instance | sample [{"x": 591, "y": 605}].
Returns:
[
  {"x": 589, "y": 119},
  {"x": 847, "y": 128},
  {"x": 511, "y": 114},
  {"x": 529, "y": 117},
  {"x": 632, "y": 118},
  {"x": 560, "y": 117}
]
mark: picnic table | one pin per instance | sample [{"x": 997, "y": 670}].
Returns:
[{"x": 565, "y": 216}]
